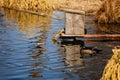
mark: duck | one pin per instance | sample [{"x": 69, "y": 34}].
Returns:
[{"x": 89, "y": 50}]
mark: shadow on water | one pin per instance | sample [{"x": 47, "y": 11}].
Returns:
[
  {"x": 28, "y": 53},
  {"x": 95, "y": 28},
  {"x": 110, "y": 29}
]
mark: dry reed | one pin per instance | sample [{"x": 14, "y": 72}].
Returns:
[
  {"x": 109, "y": 12},
  {"x": 90, "y": 6},
  {"x": 112, "y": 69},
  {"x": 34, "y": 5}
]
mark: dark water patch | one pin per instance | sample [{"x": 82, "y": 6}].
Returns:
[{"x": 95, "y": 28}]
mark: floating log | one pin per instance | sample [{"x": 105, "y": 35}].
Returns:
[
  {"x": 92, "y": 36},
  {"x": 27, "y": 11},
  {"x": 57, "y": 34},
  {"x": 112, "y": 69},
  {"x": 62, "y": 34}
]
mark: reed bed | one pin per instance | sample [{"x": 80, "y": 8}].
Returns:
[
  {"x": 109, "y": 12},
  {"x": 89, "y": 6},
  {"x": 34, "y": 5},
  {"x": 112, "y": 69}
]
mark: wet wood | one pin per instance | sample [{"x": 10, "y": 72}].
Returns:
[
  {"x": 112, "y": 69},
  {"x": 57, "y": 34},
  {"x": 92, "y": 35},
  {"x": 63, "y": 35}
]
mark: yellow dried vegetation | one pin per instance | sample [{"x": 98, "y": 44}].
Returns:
[
  {"x": 109, "y": 12},
  {"x": 112, "y": 69},
  {"x": 89, "y": 6},
  {"x": 34, "y": 5}
]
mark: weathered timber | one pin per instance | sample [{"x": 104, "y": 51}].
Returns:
[
  {"x": 57, "y": 34},
  {"x": 112, "y": 69},
  {"x": 74, "y": 22},
  {"x": 62, "y": 34},
  {"x": 73, "y": 11},
  {"x": 92, "y": 35}
]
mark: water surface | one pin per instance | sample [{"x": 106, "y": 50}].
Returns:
[{"x": 22, "y": 59}]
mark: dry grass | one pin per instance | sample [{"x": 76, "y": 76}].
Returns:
[
  {"x": 112, "y": 69},
  {"x": 89, "y": 6},
  {"x": 34, "y": 5},
  {"x": 109, "y": 12}
]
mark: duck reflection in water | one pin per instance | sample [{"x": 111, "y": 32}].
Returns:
[{"x": 35, "y": 74}]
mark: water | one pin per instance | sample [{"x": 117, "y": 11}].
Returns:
[{"x": 22, "y": 59}]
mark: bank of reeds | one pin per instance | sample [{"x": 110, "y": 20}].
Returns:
[
  {"x": 109, "y": 12},
  {"x": 112, "y": 69},
  {"x": 34, "y": 5},
  {"x": 89, "y": 6}
]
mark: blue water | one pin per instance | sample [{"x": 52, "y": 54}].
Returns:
[{"x": 20, "y": 59}]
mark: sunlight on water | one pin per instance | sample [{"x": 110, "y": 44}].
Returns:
[{"x": 27, "y": 23}]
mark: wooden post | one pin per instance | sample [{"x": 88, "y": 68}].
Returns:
[{"x": 74, "y": 22}]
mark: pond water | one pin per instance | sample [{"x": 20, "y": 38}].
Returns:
[{"x": 22, "y": 59}]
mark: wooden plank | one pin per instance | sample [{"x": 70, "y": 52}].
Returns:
[
  {"x": 80, "y": 12},
  {"x": 69, "y": 21},
  {"x": 78, "y": 24},
  {"x": 74, "y": 24},
  {"x": 93, "y": 35}
]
